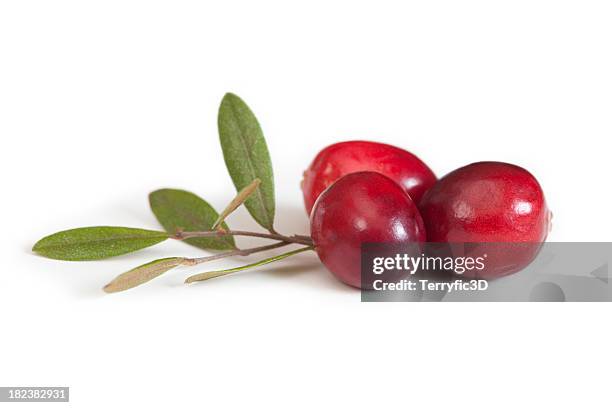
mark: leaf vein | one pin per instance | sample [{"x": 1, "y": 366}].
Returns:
[{"x": 253, "y": 174}]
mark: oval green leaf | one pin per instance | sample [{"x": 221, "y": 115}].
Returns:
[
  {"x": 180, "y": 210},
  {"x": 92, "y": 243},
  {"x": 246, "y": 157},
  {"x": 142, "y": 274}
]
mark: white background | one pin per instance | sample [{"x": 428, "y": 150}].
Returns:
[{"x": 103, "y": 102}]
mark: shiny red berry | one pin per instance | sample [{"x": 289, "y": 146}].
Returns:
[
  {"x": 489, "y": 202},
  {"x": 344, "y": 158},
  {"x": 364, "y": 207}
]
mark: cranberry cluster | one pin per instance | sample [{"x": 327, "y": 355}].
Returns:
[{"x": 365, "y": 192}]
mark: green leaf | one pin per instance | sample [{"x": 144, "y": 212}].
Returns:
[
  {"x": 91, "y": 243},
  {"x": 142, "y": 274},
  {"x": 179, "y": 210},
  {"x": 215, "y": 274},
  {"x": 246, "y": 157}
]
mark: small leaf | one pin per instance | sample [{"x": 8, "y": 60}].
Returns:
[
  {"x": 215, "y": 274},
  {"x": 179, "y": 210},
  {"x": 237, "y": 202},
  {"x": 142, "y": 274},
  {"x": 91, "y": 243},
  {"x": 246, "y": 157}
]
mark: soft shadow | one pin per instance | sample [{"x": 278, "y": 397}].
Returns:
[
  {"x": 291, "y": 271},
  {"x": 307, "y": 271}
]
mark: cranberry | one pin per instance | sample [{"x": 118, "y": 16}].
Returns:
[
  {"x": 344, "y": 158},
  {"x": 489, "y": 202},
  {"x": 363, "y": 207}
]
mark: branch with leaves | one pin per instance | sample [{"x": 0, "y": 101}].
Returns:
[{"x": 189, "y": 218}]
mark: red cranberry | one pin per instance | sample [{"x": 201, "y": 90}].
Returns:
[
  {"x": 364, "y": 207},
  {"x": 344, "y": 158},
  {"x": 489, "y": 202}
]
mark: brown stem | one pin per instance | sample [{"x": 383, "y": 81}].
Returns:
[
  {"x": 307, "y": 237},
  {"x": 236, "y": 252},
  {"x": 181, "y": 235},
  {"x": 214, "y": 274}
]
